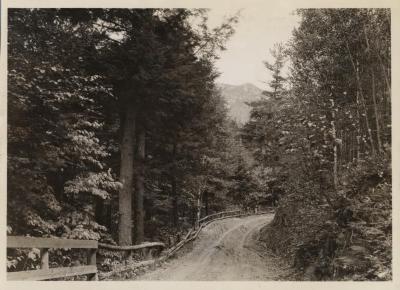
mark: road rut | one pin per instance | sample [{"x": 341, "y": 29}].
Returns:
[{"x": 224, "y": 250}]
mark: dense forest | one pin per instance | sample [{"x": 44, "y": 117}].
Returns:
[
  {"x": 117, "y": 132},
  {"x": 323, "y": 136}
]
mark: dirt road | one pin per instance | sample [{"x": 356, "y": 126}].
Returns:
[{"x": 224, "y": 250}]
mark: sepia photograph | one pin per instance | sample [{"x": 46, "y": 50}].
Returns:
[{"x": 234, "y": 143}]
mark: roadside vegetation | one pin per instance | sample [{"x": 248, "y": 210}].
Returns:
[{"x": 322, "y": 134}]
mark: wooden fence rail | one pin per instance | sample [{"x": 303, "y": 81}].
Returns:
[
  {"x": 194, "y": 232},
  {"x": 44, "y": 244},
  {"x": 148, "y": 250},
  {"x": 218, "y": 215}
]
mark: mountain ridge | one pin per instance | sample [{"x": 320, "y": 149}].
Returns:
[{"x": 236, "y": 97}]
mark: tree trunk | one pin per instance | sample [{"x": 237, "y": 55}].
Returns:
[
  {"x": 386, "y": 93},
  {"x": 57, "y": 180},
  {"x": 199, "y": 203},
  {"x": 377, "y": 118},
  {"x": 175, "y": 216},
  {"x": 363, "y": 103},
  {"x": 206, "y": 203},
  {"x": 340, "y": 149},
  {"x": 140, "y": 176},
  {"x": 385, "y": 75},
  {"x": 102, "y": 213},
  {"x": 358, "y": 136},
  {"x": 371, "y": 140},
  {"x": 335, "y": 153},
  {"x": 126, "y": 176},
  {"x": 175, "y": 212}
]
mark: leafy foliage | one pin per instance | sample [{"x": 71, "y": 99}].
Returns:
[
  {"x": 54, "y": 124},
  {"x": 335, "y": 215},
  {"x": 78, "y": 78}
]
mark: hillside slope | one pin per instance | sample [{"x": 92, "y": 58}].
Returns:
[{"x": 236, "y": 97}]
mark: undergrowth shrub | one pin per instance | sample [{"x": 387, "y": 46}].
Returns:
[{"x": 348, "y": 238}]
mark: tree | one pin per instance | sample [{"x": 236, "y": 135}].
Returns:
[
  {"x": 136, "y": 95},
  {"x": 54, "y": 128},
  {"x": 277, "y": 84},
  {"x": 267, "y": 132},
  {"x": 335, "y": 117}
]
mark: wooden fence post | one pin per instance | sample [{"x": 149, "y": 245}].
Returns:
[
  {"x": 45, "y": 244},
  {"x": 44, "y": 259},
  {"x": 145, "y": 252},
  {"x": 129, "y": 256},
  {"x": 91, "y": 260}
]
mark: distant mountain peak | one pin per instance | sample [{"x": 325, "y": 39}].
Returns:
[
  {"x": 237, "y": 96},
  {"x": 249, "y": 85}
]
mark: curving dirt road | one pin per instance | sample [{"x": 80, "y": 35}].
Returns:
[{"x": 224, "y": 250}]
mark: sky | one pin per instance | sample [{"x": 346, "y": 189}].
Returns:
[{"x": 259, "y": 28}]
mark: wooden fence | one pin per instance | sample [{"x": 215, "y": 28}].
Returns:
[
  {"x": 44, "y": 244},
  {"x": 149, "y": 251},
  {"x": 190, "y": 236},
  {"x": 194, "y": 232},
  {"x": 222, "y": 214}
]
